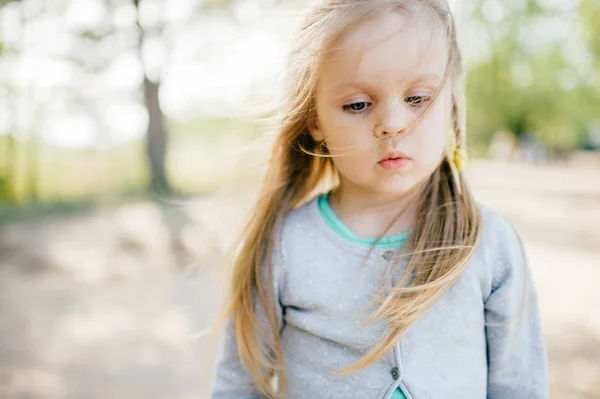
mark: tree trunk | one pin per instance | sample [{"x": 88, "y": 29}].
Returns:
[
  {"x": 156, "y": 136},
  {"x": 9, "y": 172},
  {"x": 156, "y": 139},
  {"x": 32, "y": 172}
]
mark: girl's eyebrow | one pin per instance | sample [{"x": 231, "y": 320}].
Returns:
[
  {"x": 429, "y": 78},
  {"x": 358, "y": 84}
]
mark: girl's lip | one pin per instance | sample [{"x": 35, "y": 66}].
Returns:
[
  {"x": 394, "y": 155},
  {"x": 394, "y": 163}
]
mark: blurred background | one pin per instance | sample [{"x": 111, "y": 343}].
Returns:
[{"x": 130, "y": 150}]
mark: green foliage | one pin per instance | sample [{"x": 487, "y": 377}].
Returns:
[
  {"x": 553, "y": 100},
  {"x": 5, "y": 2},
  {"x": 590, "y": 17}
]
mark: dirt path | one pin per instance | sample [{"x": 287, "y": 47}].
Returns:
[{"x": 107, "y": 304}]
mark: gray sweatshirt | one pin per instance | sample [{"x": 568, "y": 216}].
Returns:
[{"x": 482, "y": 339}]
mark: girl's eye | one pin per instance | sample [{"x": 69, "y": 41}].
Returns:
[
  {"x": 357, "y": 107},
  {"x": 418, "y": 100}
]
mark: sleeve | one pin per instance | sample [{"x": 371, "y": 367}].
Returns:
[
  {"x": 232, "y": 380},
  {"x": 517, "y": 362}
]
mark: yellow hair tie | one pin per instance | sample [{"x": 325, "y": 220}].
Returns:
[
  {"x": 460, "y": 158},
  {"x": 457, "y": 160}
]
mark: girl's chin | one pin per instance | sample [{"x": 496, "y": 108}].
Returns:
[{"x": 383, "y": 182}]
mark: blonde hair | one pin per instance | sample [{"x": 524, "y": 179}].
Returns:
[{"x": 438, "y": 248}]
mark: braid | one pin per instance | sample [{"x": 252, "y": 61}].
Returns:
[
  {"x": 458, "y": 156},
  {"x": 457, "y": 126}
]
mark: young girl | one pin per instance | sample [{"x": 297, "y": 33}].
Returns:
[{"x": 396, "y": 283}]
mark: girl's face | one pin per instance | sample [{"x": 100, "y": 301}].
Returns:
[{"x": 380, "y": 77}]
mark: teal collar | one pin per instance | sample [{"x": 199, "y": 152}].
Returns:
[{"x": 388, "y": 242}]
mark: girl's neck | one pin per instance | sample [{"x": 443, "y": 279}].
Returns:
[{"x": 368, "y": 214}]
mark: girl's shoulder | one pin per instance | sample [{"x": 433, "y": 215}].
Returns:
[
  {"x": 498, "y": 232},
  {"x": 301, "y": 220},
  {"x": 298, "y": 225},
  {"x": 500, "y": 249}
]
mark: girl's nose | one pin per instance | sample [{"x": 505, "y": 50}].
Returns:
[{"x": 394, "y": 120}]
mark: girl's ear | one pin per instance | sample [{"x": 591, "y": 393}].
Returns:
[{"x": 314, "y": 128}]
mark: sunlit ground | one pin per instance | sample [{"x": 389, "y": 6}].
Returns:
[{"x": 106, "y": 304}]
